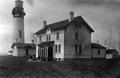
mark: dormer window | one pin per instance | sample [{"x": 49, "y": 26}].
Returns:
[
  {"x": 48, "y": 37},
  {"x": 48, "y": 31}
]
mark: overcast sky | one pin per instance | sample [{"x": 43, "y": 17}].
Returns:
[{"x": 102, "y": 15}]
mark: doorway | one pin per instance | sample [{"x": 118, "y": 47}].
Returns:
[
  {"x": 50, "y": 54},
  {"x": 27, "y": 52}
]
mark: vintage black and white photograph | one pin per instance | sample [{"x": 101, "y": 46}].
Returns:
[{"x": 59, "y": 38}]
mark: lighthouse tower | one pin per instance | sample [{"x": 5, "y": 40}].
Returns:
[{"x": 18, "y": 15}]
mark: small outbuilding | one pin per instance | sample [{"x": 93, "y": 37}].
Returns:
[
  {"x": 98, "y": 51},
  {"x": 111, "y": 53},
  {"x": 10, "y": 52},
  {"x": 23, "y": 49}
]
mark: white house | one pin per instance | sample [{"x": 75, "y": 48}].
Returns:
[
  {"x": 65, "y": 39},
  {"x": 111, "y": 53}
]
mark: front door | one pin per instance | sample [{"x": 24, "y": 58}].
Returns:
[
  {"x": 50, "y": 54},
  {"x": 27, "y": 52}
]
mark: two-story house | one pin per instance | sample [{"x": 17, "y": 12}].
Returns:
[{"x": 65, "y": 39}]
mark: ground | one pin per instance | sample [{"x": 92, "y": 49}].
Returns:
[{"x": 18, "y": 67}]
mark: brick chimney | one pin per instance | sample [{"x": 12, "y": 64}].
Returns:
[
  {"x": 71, "y": 16},
  {"x": 44, "y": 23}
]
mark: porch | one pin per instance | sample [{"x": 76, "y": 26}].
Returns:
[{"x": 45, "y": 50}]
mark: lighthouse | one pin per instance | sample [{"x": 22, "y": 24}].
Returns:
[
  {"x": 18, "y": 17},
  {"x": 19, "y": 47}
]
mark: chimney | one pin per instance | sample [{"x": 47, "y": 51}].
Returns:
[
  {"x": 32, "y": 41},
  {"x": 44, "y": 23},
  {"x": 71, "y": 16}
]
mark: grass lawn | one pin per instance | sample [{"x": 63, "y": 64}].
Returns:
[{"x": 18, "y": 67}]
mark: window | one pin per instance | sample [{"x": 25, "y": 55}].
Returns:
[
  {"x": 98, "y": 52},
  {"x": 59, "y": 48},
  {"x": 80, "y": 49},
  {"x": 76, "y": 49},
  {"x": 40, "y": 38},
  {"x": 77, "y": 24},
  {"x": 20, "y": 34},
  {"x": 55, "y": 48},
  {"x": 48, "y": 37},
  {"x": 59, "y": 59},
  {"x": 57, "y": 37},
  {"x": 76, "y": 36}
]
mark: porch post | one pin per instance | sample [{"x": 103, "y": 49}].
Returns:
[
  {"x": 47, "y": 53},
  {"x": 37, "y": 51}
]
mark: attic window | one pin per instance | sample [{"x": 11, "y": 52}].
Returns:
[
  {"x": 48, "y": 37},
  {"x": 77, "y": 24},
  {"x": 80, "y": 24}
]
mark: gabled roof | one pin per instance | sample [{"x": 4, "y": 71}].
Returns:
[
  {"x": 63, "y": 24},
  {"x": 96, "y": 45},
  {"x": 23, "y": 45},
  {"x": 111, "y": 51}
]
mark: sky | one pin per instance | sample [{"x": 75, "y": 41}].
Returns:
[{"x": 102, "y": 15}]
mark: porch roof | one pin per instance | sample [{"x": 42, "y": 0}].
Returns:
[{"x": 49, "y": 43}]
